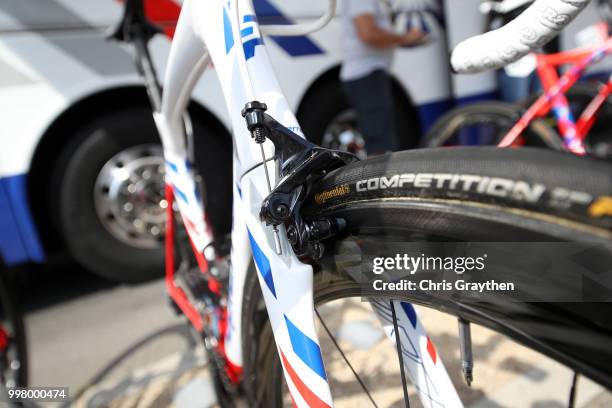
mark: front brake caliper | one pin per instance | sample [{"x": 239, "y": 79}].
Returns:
[{"x": 301, "y": 163}]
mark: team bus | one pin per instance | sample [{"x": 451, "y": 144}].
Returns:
[{"x": 80, "y": 161}]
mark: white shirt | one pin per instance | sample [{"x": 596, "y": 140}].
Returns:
[{"x": 359, "y": 58}]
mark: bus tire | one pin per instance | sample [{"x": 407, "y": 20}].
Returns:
[{"x": 94, "y": 237}]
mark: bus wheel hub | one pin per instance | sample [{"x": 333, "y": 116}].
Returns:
[{"x": 129, "y": 196}]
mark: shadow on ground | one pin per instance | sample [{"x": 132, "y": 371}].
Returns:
[{"x": 59, "y": 280}]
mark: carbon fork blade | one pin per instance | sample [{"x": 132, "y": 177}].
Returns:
[{"x": 398, "y": 345}]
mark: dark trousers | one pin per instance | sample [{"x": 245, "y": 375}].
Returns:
[{"x": 372, "y": 98}]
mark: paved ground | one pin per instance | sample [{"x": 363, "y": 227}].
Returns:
[
  {"x": 82, "y": 329},
  {"x": 121, "y": 346}
]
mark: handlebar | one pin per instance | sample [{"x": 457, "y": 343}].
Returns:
[{"x": 536, "y": 26}]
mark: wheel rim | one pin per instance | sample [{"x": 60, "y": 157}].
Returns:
[
  {"x": 475, "y": 131},
  {"x": 343, "y": 134},
  {"x": 128, "y": 196}
]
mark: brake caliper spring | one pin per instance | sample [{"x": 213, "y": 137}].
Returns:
[{"x": 259, "y": 134}]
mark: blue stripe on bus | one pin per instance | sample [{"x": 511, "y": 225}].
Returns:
[
  {"x": 306, "y": 349},
  {"x": 483, "y": 96},
  {"x": 294, "y": 46},
  {"x": 430, "y": 112},
  {"x": 263, "y": 265},
  {"x": 19, "y": 240},
  {"x": 298, "y": 46}
]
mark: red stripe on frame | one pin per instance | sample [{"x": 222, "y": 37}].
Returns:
[
  {"x": 310, "y": 397},
  {"x": 431, "y": 349}
]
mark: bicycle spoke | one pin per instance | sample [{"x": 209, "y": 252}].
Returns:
[
  {"x": 398, "y": 345},
  {"x": 333, "y": 339},
  {"x": 573, "y": 389}
]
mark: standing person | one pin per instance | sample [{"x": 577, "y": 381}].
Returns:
[{"x": 369, "y": 41}]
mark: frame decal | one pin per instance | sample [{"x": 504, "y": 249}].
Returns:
[
  {"x": 263, "y": 265},
  {"x": 306, "y": 349}
]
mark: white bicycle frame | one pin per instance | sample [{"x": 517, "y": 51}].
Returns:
[{"x": 226, "y": 34}]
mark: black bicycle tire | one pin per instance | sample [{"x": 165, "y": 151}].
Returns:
[
  {"x": 550, "y": 170},
  {"x": 493, "y": 112},
  {"x": 435, "y": 211}
]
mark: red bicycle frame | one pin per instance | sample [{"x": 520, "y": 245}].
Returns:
[{"x": 553, "y": 98}]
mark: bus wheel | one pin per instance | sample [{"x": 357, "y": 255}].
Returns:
[
  {"x": 327, "y": 119},
  {"x": 110, "y": 198},
  {"x": 110, "y": 201}
]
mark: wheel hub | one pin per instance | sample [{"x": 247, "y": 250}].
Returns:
[
  {"x": 129, "y": 196},
  {"x": 343, "y": 134}
]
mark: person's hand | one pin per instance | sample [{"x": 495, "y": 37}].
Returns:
[{"x": 414, "y": 37}]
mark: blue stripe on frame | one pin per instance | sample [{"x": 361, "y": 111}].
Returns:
[
  {"x": 249, "y": 47},
  {"x": 227, "y": 31},
  {"x": 172, "y": 166},
  {"x": 181, "y": 194},
  {"x": 306, "y": 349},
  {"x": 246, "y": 31},
  {"x": 410, "y": 312},
  {"x": 263, "y": 265},
  {"x": 239, "y": 190},
  {"x": 175, "y": 168}
]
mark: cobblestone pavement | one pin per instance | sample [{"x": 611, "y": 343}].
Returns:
[{"x": 506, "y": 374}]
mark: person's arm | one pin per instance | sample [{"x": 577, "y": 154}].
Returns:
[{"x": 370, "y": 33}]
